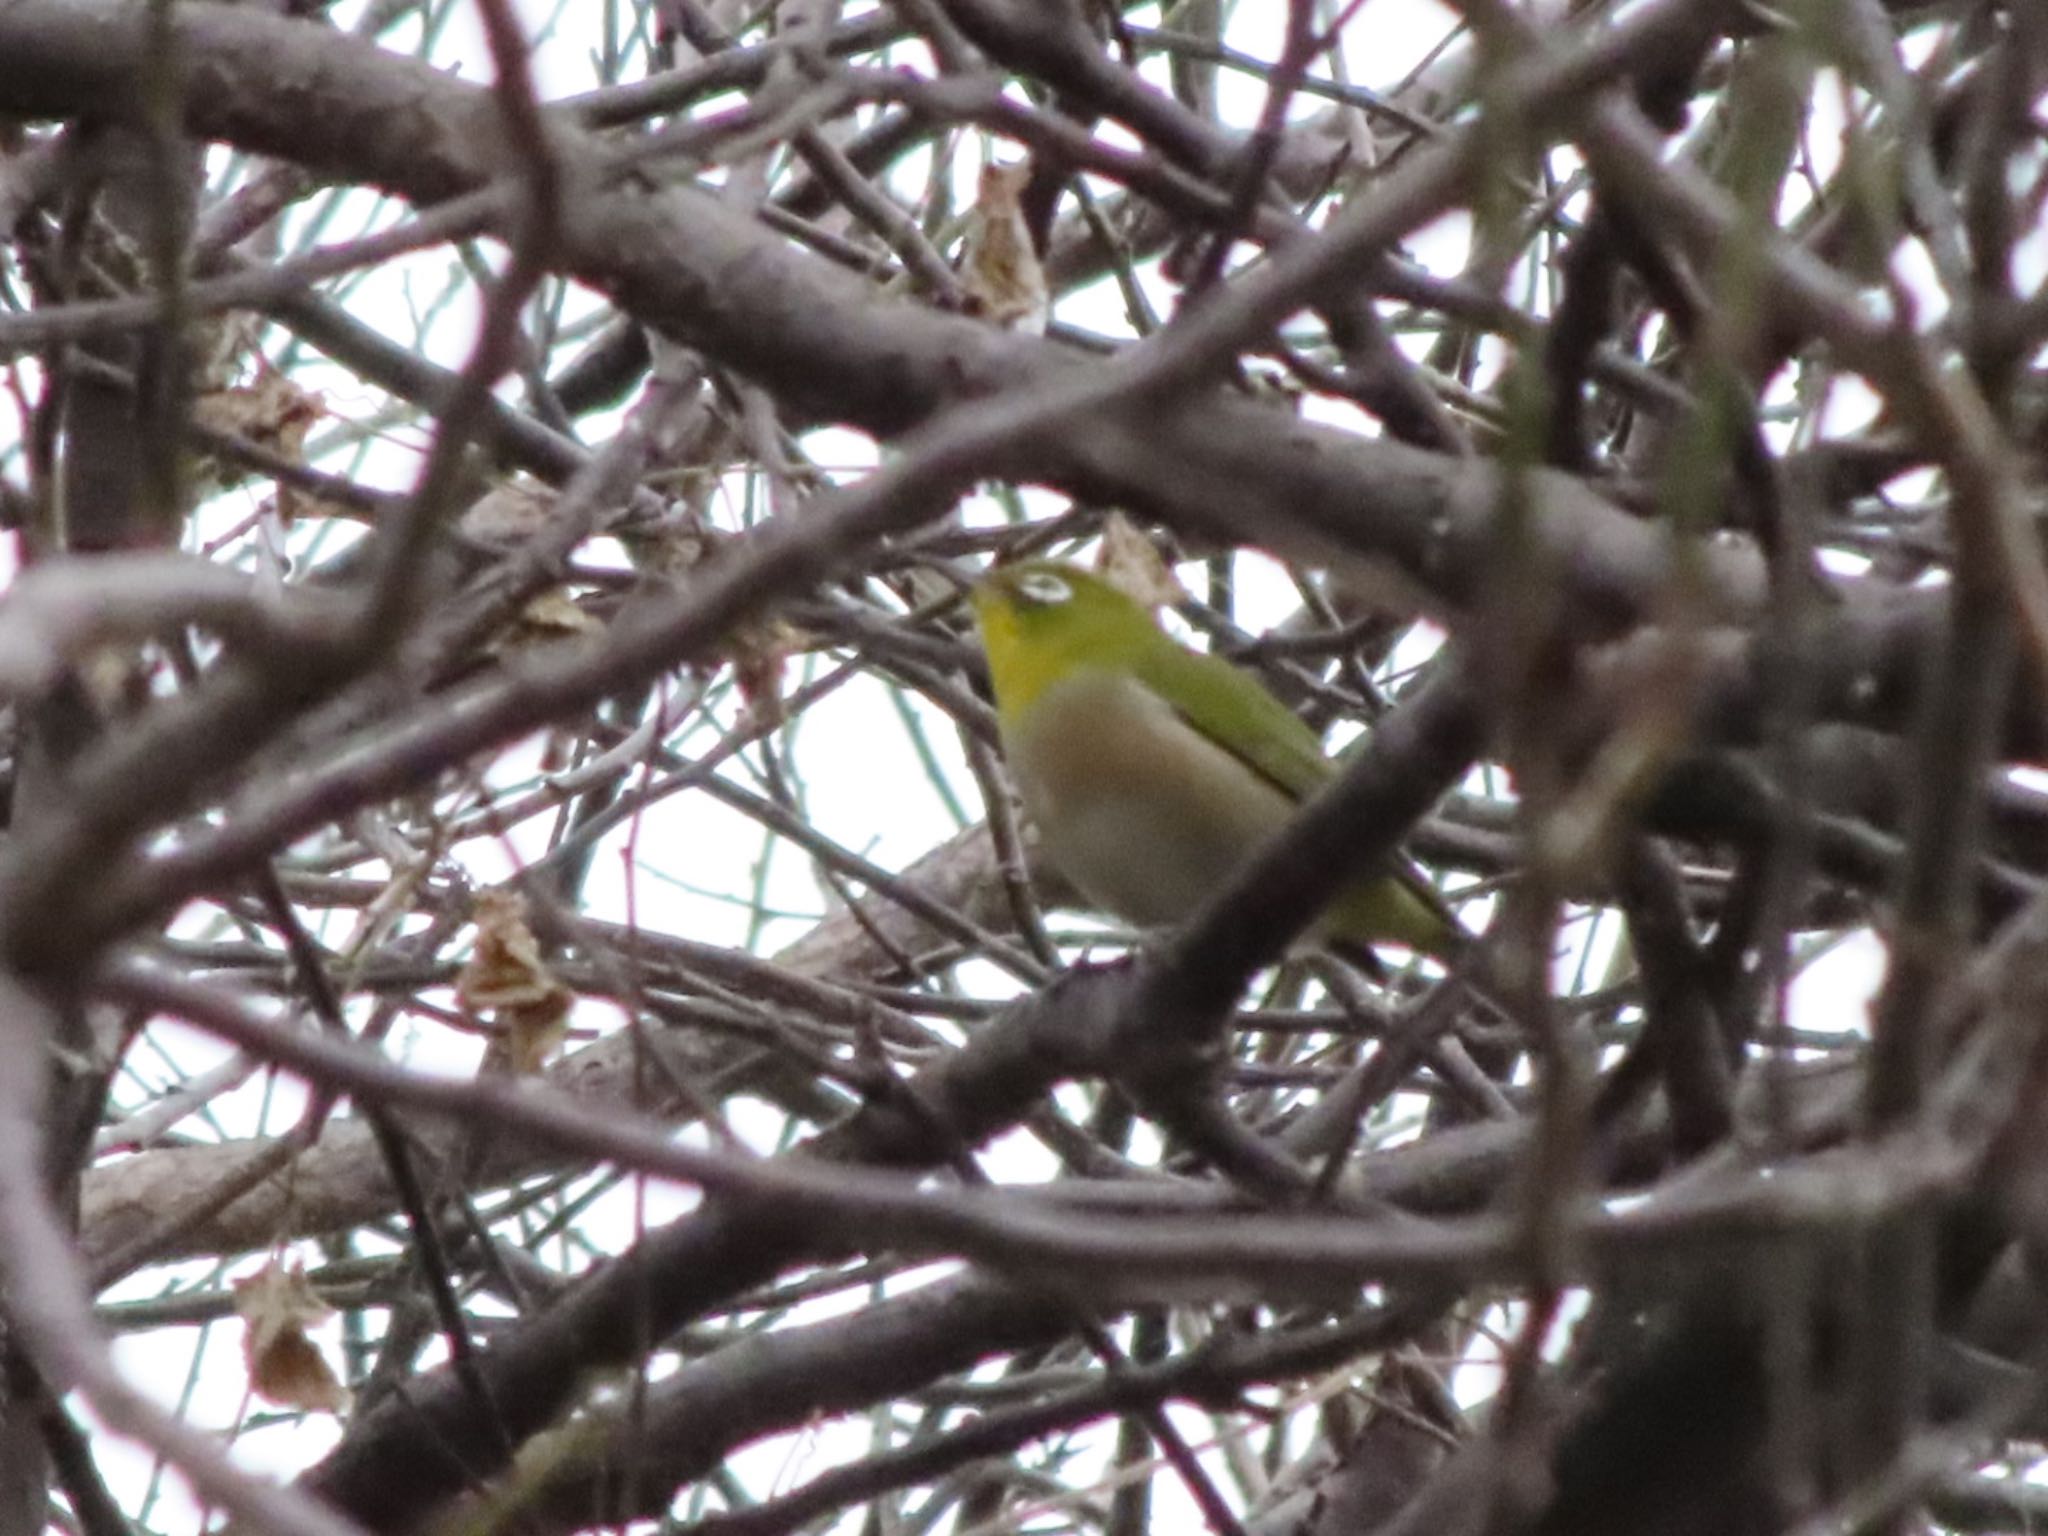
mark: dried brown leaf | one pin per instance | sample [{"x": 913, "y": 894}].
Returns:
[
  {"x": 506, "y": 978},
  {"x": 285, "y": 1366},
  {"x": 1132, "y": 562},
  {"x": 272, "y": 412},
  {"x": 552, "y": 615},
  {"x": 508, "y": 513},
  {"x": 1001, "y": 272}
]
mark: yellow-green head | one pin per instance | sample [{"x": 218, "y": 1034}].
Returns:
[{"x": 1043, "y": 619}]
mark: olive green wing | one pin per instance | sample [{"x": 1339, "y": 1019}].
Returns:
[{"x": 1235, "y": 710}]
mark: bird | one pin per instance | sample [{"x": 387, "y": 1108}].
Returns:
[{"x": 1154, "y": 772}]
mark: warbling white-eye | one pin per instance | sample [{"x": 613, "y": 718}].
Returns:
[{"x": 1154, "y": 772}]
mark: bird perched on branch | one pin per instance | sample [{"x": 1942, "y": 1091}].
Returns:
[{"x": 1154, "y": 772}]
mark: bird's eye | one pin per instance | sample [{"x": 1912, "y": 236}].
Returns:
[{"x": 1043, "y": 587}]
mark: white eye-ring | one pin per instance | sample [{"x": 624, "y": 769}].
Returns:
[{"x": 1044, "y": 587}]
